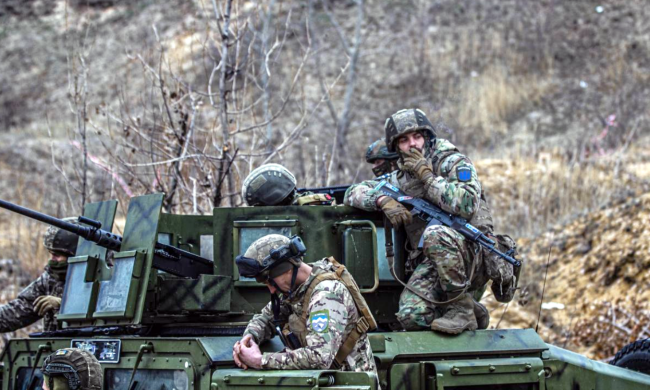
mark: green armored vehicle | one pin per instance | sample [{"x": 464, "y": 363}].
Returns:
[{"x": 165, "y": 308}]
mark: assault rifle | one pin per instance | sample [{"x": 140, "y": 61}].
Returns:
[
  {"x": 166, "y": 257},
  {"x": 337, "y": 192},
  {"x": 434, "y": 215}
]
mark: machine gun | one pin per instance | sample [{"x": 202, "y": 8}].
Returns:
[
  {"x": 434, "y": 215},
  {"x": 337, "y": 192},
  {"x": 166, "y": 257}
]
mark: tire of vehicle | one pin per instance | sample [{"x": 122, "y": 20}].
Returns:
[{"x": 634, "y": 356}]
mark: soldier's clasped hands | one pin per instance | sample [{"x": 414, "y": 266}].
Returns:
[{"x": 246, "y": 353}]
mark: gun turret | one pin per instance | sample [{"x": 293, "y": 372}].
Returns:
[{"x": 166, "y": 257}]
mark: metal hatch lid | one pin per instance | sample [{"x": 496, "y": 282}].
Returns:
[{"x": 475, "y": 343}]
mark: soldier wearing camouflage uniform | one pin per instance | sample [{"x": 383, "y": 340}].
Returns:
[
  {"x": 42, "y": 298},
  {"x": 382, "y": 160},
  {"x": 448, "y": 268},
  {"x": 72, "y": 369},
  {"x": 322, "y": 326},
  {"x": 275, "y": 185}
]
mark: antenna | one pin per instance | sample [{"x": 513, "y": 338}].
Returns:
[{"x": 539, "y": 315}]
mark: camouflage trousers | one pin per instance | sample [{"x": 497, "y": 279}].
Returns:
[{"x": 445, "y": 268}]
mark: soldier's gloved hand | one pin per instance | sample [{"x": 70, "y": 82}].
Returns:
[
  {"x": 415, "y": 163},
  {"x": 45, "y": 303},
  {"x": 395, "y": 212}
]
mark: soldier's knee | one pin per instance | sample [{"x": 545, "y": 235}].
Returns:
[{"x": 438, "y": 235}]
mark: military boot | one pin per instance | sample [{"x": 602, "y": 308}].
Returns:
[
  {"x": 482, "y": 315},
  {"x": 459, "y": 316}
]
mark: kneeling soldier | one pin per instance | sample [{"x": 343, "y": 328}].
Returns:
[{"x": 316, "y": 309}]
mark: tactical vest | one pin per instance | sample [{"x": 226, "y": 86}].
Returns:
[{"x": 365, "y": 323}]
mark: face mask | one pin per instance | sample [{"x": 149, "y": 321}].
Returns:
[{"x": 58, "y": 268}]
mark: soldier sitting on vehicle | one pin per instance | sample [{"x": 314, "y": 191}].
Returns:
[
  {"x": 448, "y": 268},
  {"x": 72, "y": 369},
  {"x": 382, "y": 160},
  {"x": 42, "y": 298},
  {"x": 321, "y": 316},
  {"x": 275, "y": 185}
]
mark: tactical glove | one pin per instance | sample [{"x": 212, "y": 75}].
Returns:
[
  {"x": 415, "y": 163},
  {"x": 45, "y": 303},
  {"x": 395, "y": 212}
]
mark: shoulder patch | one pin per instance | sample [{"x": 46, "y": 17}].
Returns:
[
  {"x": 464, "y": 173},
  {"x": 319, "y": 321}
]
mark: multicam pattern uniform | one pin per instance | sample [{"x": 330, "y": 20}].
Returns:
[
  {"x": 445, "y": 262},
  {"x": 321, "y": 347},
  {"x": 20, "y": 313}
]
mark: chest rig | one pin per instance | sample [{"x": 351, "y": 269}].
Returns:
[{"x": 296, "y": 329}]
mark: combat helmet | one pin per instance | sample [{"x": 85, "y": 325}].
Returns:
[
  {"x": 406, "y": 121},
  {"x": 61, "y": 241},
  {"x": 376, "y": 151},
  {"x": 271, "y": 256},
  {"x": 78, "y": 366},
  {"x": 268, "y": 185}
]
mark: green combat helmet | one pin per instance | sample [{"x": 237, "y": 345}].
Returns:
[
  {"x": 268, "y": 185},
  {"x": 407, "y": 121},
  {"x": 61, "y": 241},
  {"x": 78, "y": 367},
  {"x": 378, "y": 151}
]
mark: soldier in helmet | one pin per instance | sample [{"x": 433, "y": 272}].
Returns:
[
  {"x": 72, "y": 369},
  {"x": 382, "y": 160},
  {"x": 42, "y": 298},
  {"x": 316, "y": 309},
  {"x": 447, "y": 268},
  {"x": 275, "y": 185}
]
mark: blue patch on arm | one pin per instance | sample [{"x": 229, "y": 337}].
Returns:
[{"x": 464, "y": 173}]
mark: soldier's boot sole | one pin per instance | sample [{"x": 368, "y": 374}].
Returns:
[{"x": 458, "y": 318}]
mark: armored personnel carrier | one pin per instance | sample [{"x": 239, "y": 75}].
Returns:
[{"x": 165, "y": 308}]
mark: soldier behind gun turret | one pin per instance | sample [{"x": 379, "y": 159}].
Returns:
[{"x": 42, "y": 298}]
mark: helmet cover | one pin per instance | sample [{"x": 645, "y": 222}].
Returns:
[
  {"x": 268, "y": 185},
  {"x": 80, "y": 367},
  {"x": 407, "y": 121},
  {"x": 61, "y": 241}
]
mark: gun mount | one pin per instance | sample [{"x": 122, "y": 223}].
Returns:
[{"x": 173, "y": 328}]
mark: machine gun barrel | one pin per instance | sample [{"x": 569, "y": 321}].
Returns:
[{"x": 166, "y": 257}]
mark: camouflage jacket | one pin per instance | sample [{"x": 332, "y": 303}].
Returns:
[
  {"x": 332, "y": 315},
  {"x": 445, "y": 189},
  {"x": 20, "y": 313}
]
